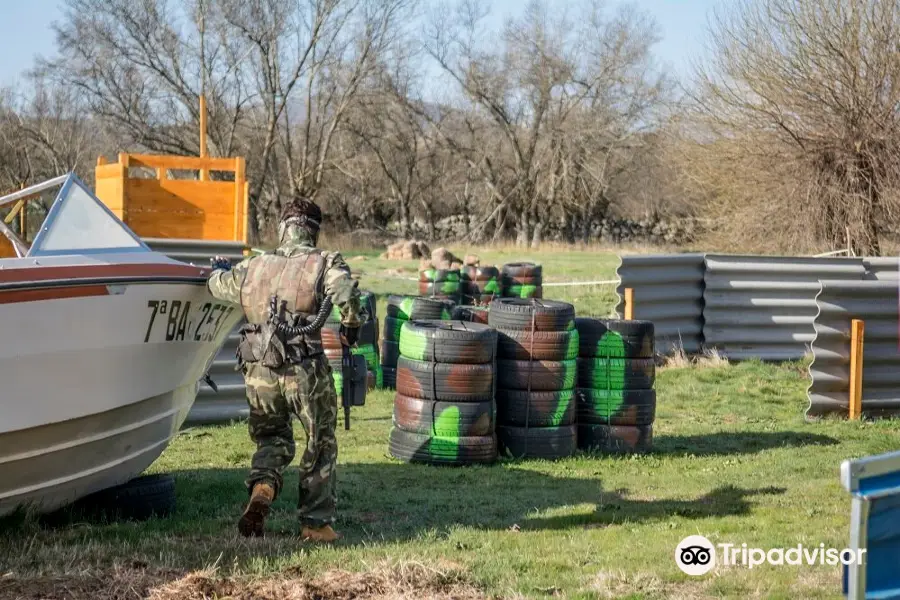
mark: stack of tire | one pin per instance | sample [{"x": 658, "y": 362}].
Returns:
[
  {"x": 480, "y": 284},
  {"x": 537, "y": 346},
  {"x": 444, "y": 410},
  {"x": 367, "y": 344},
  {"x": 441, "y": 283},
  {"x": 521, "y": 280},
  {"x": 471, "y": 314},
  {"x": 401, "y": 309},
  {"x": 615, "y": 396}
]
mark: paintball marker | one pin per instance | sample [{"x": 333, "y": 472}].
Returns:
[{"x": 354, "y": 378}]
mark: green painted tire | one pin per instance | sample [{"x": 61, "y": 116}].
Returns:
[
  {"x": 457, "y": 342},
  {"x": 615, "y": 407},
  {"x": 538, "y": 345},
  {"x": 546, "y": 375},
  {"x": 536, "y": 409},
  {"x": 616, "y": 373},
  {"x": 549, "y": 443},
  {"x": 611, "y": 338},
  {"x": 423, "y": 448},
  {"x": 615, "y": 439}
]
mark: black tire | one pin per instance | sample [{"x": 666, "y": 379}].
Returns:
[
  {"x": 434, "y": 275},
  {"x": 523, "y": 291},
  {"x": 509, "y": 282},
  {"x": 536, "y": 409},
  {"x": 455, "y": 383},
  {"x": 416, "y": 307},
  {"x": 389, "y": 378},
  {"x": 615, "y": 438},
  {"x": 139, "y": 499},
  {"x": 482, "y": 282},
  {"x": 609, "y": 338},
  {"x": 454, "y": 419},
  {"x": 390, "y": 353},
  {"x": 520, "y": 272},
  {"x": 518, "y": 313},
  {"x": 537, "y": 442},
  {"x": 615, "y": 407},
  {"x": 483, "y": 274},
  {"x": 539, "y": 345},
  {"x": 616, "y": 373},
  {"x": 392, "y": 329},
  {"x": 471, "y": 314},
  {"x": 442, "y": 289},
  {"x": 421, "y": 448},
  {"x": 448, "y": 342},
  {"x": 546, "y": 375}
]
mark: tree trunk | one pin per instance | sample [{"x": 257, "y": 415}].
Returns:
[
  {"x": 523, "y": 229},
  {"x": 404, "y": 218},
  {"x": 537, "y": 235}
]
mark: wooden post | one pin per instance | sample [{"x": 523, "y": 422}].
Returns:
[
  {"x": 857, "y": 331},
  {"x": 204, "y": 173},
  {"x": 629, "y": 304},
  {"x": 239, "y": 205}
]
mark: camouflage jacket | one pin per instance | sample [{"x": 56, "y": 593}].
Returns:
[{"x": 337, "y": 283}]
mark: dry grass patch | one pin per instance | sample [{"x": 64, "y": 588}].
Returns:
[{"x": 386, "y": 581}]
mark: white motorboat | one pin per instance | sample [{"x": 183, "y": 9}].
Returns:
[{"x": 104, "y": 342}]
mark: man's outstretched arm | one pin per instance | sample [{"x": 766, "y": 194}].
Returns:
[{"x": 225, "y": 284}]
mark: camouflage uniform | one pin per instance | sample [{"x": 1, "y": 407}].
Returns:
[{"x": 304, "y": 389}]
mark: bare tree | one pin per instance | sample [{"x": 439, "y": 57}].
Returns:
[
  {"x": 555, "y": 68},
  {"x": 805, "y": 91}
]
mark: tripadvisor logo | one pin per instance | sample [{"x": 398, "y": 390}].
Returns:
[{"x": 696, "y": 555}]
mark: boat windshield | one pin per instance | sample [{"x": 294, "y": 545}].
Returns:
[{"x": 76, "y": 222}]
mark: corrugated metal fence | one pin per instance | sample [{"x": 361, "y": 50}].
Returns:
[
  {"x": 781, "y": 308},
  {"x": 764, "y": 307},
  {"x": 749, "y": 306},
  {"x": 229, "y": 402},
  {"x": 669, "y": 292},
  {"x": 839, "y": 302}
]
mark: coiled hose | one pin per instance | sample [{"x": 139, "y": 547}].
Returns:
[{"x": 282, "y": 327}]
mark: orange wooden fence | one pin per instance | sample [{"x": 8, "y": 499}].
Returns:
[{"x": 181, "y": 197}]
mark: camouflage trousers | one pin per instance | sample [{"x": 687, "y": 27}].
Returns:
[{"x": 305, "y": 391}]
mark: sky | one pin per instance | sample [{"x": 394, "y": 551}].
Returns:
[{"x": 25, "y": 30}]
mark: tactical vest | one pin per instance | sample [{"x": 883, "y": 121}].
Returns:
[{"x": 295, "y": 281}]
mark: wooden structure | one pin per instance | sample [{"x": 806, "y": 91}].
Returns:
[{"x": 184, "y": 197}]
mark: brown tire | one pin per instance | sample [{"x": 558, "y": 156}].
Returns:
[
  {"x": 615, "y": 438},
  {"x": 535, "y": 409},
  {"x": 459, "y": 419},
  {"x": 445, "y": 382},
  {"x": 545, "y": 375},
  {"x": 522, "y": 313},
  {"x": 538, "y": 345}
]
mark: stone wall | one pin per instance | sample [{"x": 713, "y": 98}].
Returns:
[{"x": 611, "y": 230}]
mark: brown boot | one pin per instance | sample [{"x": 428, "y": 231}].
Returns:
[
  {"x": 319, "y": 534},
  {"x": 253, "y": 520}
]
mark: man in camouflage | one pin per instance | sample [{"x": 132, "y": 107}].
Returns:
[{"x": 286, "y": 377}]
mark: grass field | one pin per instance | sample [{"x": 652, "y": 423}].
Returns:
[{"x": 733, "y": 460}]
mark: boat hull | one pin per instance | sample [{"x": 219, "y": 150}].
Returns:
[{"x": 98, "y": 375}]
